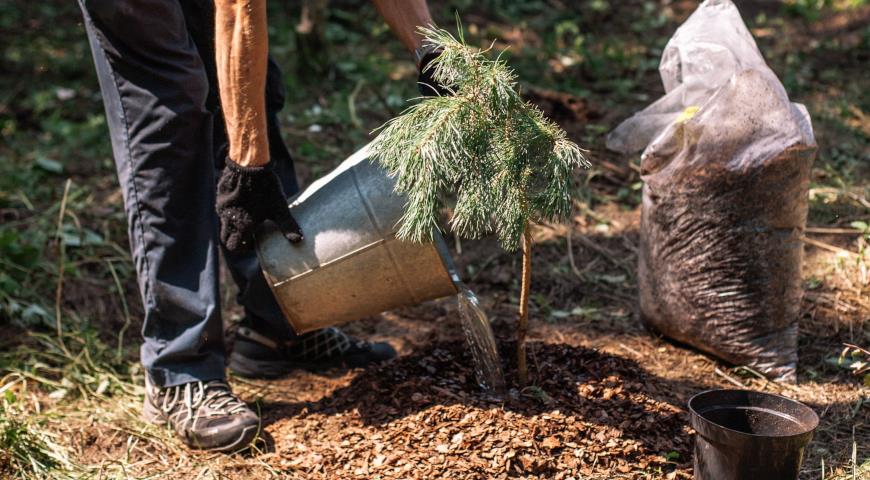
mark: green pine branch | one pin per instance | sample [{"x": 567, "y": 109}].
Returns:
[{"x": 502, "y": 161}]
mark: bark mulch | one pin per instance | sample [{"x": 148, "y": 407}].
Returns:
[{"x": 423, "y": 416}]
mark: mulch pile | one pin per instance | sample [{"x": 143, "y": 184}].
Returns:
[{"x": 423, "y": 416}]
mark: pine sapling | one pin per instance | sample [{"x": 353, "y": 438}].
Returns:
[{"x": 497, "y": 156}]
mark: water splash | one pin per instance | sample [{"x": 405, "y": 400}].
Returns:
[{"x": 481, "y": 341}]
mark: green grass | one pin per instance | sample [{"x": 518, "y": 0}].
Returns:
[{"x": 27, "y": 450}]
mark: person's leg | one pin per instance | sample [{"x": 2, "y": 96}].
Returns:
[
  {"x": 154, "y": 88},
  {"x": 261, "y": 310},
  {"x": 265, "y": 343}
]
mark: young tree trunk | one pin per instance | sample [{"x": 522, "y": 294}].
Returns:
[{"x": 523, "y": 322}]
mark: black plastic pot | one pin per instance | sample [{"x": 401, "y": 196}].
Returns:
[{"x": 746, "y": 435}]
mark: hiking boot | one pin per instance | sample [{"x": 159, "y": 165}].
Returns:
[
  {"x": 255, "y": 355},
  {"x": 204, "y": 415}
]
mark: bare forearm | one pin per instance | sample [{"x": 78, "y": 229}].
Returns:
[
  {"x": 404, "y": 17},
  {"x": 241, "y": 48}
]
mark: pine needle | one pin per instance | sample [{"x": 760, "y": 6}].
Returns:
[{"x": 502, "y": 162}]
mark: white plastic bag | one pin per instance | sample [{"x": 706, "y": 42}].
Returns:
[
  {"x": 726, "y": 167},
  {"x": 704, "y": 54}
]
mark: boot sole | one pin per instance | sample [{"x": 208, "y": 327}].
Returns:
[
  {"x": 153, "y": 415},
  {"x": 246, "y": 437},
  {"x": 249, "y": 368}
]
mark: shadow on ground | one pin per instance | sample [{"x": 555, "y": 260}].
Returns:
[{"x": 592, "y": 387}]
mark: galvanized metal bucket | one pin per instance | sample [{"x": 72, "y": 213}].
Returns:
[{"x": 351, "y": 264}]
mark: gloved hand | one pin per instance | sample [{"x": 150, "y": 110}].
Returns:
[
  {"x": 246, "y": 197},
  {"x": 425, "y": 83}
]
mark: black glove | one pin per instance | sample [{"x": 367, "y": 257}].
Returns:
[
  {"x": 425, "y": 83},
  {"x": 246, "y": 197}
]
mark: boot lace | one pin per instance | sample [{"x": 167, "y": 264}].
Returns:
[{"x": 190, "y": 401}]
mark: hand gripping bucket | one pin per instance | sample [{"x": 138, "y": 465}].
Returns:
[{"x": 351, "y": 264}]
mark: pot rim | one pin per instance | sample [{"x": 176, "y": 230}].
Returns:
[{"x": 696, "y": 414}]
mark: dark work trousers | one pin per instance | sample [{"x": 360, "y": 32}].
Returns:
[{"x": 156, "y": 68}]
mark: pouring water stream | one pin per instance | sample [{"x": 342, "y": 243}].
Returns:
[{"x": 481, "y": 341}]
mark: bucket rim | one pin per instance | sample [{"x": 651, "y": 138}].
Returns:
[{"x": 696, "y": 414}]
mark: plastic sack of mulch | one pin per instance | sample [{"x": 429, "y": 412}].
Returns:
[{"x": 726, "y": 164}]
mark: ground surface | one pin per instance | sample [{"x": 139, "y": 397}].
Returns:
[{"x": 608, "y": 397}]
